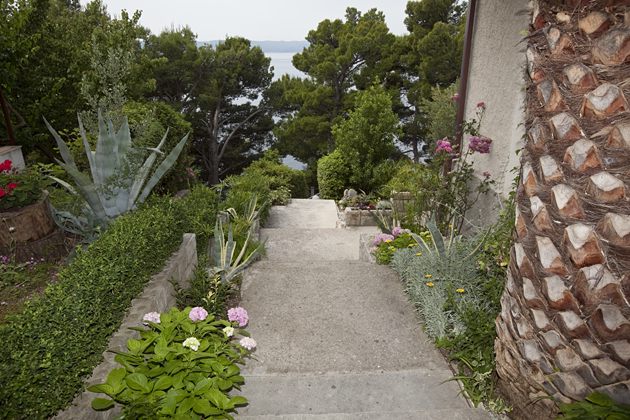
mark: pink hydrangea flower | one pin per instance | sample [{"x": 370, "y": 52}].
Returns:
[
  {"x": 197, "y": 314},
  {"x": 479, "y": 144},
  {"x": 397, "y": 231},
  {"x": 444, "y": 146},
  {"x": 151, "y": 317},
  {"x": 382, "y": 237},
  {"x": 238, "y": 315},
  {"x": 248, "y": 343}
]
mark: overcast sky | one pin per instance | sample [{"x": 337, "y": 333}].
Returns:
[{"x": 259, "y": 20}]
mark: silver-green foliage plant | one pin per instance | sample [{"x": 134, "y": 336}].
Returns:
[{"x": 118, "y": 181}]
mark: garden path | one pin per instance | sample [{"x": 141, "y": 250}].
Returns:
[{"x": 337, "y": 338}]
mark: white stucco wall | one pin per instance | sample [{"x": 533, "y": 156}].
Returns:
[{"x": 497, "y": 72}]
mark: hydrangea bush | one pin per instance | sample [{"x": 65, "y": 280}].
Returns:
[{"x": 184, "y": 365}]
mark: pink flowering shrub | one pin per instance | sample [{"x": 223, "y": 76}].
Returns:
[
  {"x": 382, "y": 237},
  {"x": 238, "y": 315},
  {"x": 197, "y": 314},
  {"x": 479, "y": 144},
  {"x": 397, "y": 231},
  {"x": 444, "y": 146}
]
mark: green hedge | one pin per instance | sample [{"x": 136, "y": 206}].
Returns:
[
  {"x": 57, "y": 340},
  {"x": 333, "y": 175}
]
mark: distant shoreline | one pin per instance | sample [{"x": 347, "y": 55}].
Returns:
[{"x": 269, "y": 46}]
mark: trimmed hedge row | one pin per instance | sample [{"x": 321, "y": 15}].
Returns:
[{"x": 57, "y": 340}]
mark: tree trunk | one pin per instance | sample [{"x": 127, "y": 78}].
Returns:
[
  {"x": 6, "y": 112},
  {"x": 564, "y": 328}
]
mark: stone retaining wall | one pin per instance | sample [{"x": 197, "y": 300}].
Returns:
[{"x": 158, "y": 296}]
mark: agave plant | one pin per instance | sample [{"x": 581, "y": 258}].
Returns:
[
  {"x": 116, "y": 184},
  {"x": 228, "y": 265}
]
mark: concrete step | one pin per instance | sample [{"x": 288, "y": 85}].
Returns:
[
  {"x": 432, "y": 414},
  {"x": 304, "y": 214},
  {"x": 332, "y": 316},
  {"x": 301, "y": 245},
  {"x": 377, "y": 392}
]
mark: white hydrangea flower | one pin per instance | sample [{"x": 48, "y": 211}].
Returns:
[
  {"x": 229, "y": 331},
  {"x": 192, "y": 343}
]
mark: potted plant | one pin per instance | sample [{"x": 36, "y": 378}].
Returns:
[{"x": 24, "y": 210}]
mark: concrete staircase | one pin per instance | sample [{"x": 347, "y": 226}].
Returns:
[{"x": 337, "y": 338}]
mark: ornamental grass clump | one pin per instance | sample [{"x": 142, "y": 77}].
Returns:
[{"x": 184, "y": 365}]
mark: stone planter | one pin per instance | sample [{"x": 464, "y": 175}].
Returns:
[
  {"x": 31, "y": 232},
  {"x": 357, "y": 217}
]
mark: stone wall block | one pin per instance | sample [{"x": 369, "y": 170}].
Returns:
[
  {"x": 566, "y": 127},
  {"x": 609, "y": 323},
  {"x": 567, "y": 201},
  {"x": 603, "y": 102},
  {"x": 583, "y": 156},
  {"x": 615, "y": 228},
  {"x": 613, "y": 48},
  {"x": 579, "y": 77},
  {"x": 594, "y": 23},
  {"x": 582, "y": 244},
  {"x": 619, "y": 136}
]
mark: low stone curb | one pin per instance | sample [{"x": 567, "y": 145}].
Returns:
[{"x": 157, "y": 296}]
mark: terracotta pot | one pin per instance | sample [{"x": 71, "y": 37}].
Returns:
[{"x": 26, "y": 224}]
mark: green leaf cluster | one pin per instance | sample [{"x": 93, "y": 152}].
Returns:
[
  {"x": 55, "y": 342},
  {"x": 163, "y": 379},
  {"x": 596, "y": 406}
]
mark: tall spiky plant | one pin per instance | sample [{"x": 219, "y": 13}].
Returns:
[{"x": 117, "y": 183}]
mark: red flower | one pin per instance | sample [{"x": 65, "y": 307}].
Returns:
[
  {"x": 2, "y": 192},
  {"x": 5, "y": 166},
  {"x": 481, "y": 105},
  {"x": 11, "y": 186}
]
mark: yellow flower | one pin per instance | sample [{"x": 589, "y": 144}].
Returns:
[
  {"x": 459, "y": 290},
  {"x": 428, "y": 276},
  {"x": 429, "y": 283},
  {"x": 387, "y": 241},
  {"x": 411, "y": 245},
  {"x": 391, "y": 248},
  {"x": 418, "y": 254}
]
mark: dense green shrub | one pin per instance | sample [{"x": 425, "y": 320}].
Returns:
[
  {"x": 239, "y": 189},
  {"x": 333, "y": 175},
  {"x": 280, "y": 176},
  {"x": 55, "y": 342}
]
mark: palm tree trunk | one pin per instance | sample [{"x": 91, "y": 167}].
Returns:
[{"x": 564, "y": 328}]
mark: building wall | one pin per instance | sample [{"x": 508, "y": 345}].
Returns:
[{"x": 496, "y": 77}]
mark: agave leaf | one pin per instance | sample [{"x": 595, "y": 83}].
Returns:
[
  {"x": 436, "y": 237},
  {"x": 421, "y": 242},
  {"x": 63, "y": 149},
  {"x": 162, "y": 168},
  {"x": 105, "y": 158},
  {"x": 124, "y": 143},
  {"x": 88, "y": 150},
  {"x": 143, "y": 172},
  {"x": 64, "y": 184},
  {"x": 88, "y": 192}
]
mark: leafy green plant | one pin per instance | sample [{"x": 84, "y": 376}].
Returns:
[
  {"x": 118, "y": 182},
  {"x": 19, "y": 188},
  {"x": 183, "y": 365},
  {"x": 596, "y": 406},
  {"x": 58, "y": 338},
  {"x": 333, "y": 175},
  {"x": 283, "y": 180},
  {"x": 385, "y": 250}
]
